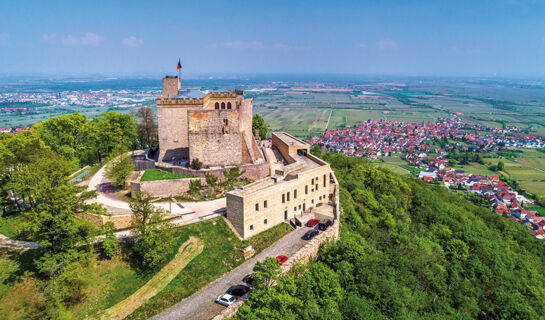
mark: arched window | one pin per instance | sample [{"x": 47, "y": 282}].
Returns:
[
  {"x": 228, "y": 105},
  {"x": 217, "y": 105},
  {"x": 223, "y": 105}
]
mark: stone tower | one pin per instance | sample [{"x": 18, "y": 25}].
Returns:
[{"x": 213, "y": 127}]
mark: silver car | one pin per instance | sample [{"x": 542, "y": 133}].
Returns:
[{"x": 226, "y": 299}]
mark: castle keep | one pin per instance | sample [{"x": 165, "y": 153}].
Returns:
[{"x": 204, "y": 125}]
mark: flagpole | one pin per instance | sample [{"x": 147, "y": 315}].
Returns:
[{"x": 180, "y": 74}]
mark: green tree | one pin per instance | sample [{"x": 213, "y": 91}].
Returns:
[
  {"x": 110, "y": 243},
  {"x": 195, "y": 186},
  {"x": 112, "y": 131},
  {"x": 146, "y": 127},
  {"x": 233, "y": 174},
  {"x": 152, "y": 231},
  {"x": 119, "y": 167},
  {"x": 259, "y": 126},
  {"x": 500, "y": 166},
  {"x": 211, "y": 179},
  {"x": 268, "y": 271}
]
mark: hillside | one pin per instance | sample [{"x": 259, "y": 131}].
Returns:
[{"x": 410, "y": 251}]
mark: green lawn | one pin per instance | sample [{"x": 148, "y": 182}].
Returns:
[
  {"x": 156, "y": 174},
  {"x": 112, "y": 281}
]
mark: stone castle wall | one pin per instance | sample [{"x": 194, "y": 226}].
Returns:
[
  {"x": 173, "y": 135},
  {"x": 163, "y": 188},
  {"x": 214, "y": 137}
]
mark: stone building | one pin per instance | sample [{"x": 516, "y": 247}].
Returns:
[
  {"x": 203, "y": 125},
  {"x": 303, "y": 184}
]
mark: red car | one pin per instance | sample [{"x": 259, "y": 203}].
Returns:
[
  {"x": 312, "y": 222},
  {"x": 281, "y": 259}
]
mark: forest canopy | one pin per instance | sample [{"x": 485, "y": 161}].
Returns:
[{"x": 410, "y": 251}]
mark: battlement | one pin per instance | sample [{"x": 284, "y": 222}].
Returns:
[
  {"x": 218, "y": 95},
  {"x": 179, "y": 101}
]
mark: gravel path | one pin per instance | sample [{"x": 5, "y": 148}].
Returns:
[
  {"x": 16, "y": 244},
  {"x": 201, "y": 305}
]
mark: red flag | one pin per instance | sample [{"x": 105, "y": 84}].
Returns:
[{"x": 179, "y": 65}]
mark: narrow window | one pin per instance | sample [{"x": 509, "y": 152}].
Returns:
[
  {"x": 285, "y": 214},
  {"x": 288, "y": 196},
  {"x": 299, "y": 207},
  {"x": 295, "y": 208},
  {"x": 223, "y": 105},
  {"x": 316, "y": 187},
  {"x": 251, "y": 227},
  {"x": 217, "y": 105},
  {"x": 283, "y": 198},
  {"x": 295, "y": 194},
  {"x": 312, "y": 201},
  {"x": 312, "y": 181},
  {"x": 324, "y": 180},
  {"x": 265, "y": 204},
  {"x": 265, "y": 221},
  {"x": 257, "y": 207},
  {"x": 306, "y": 189},
  {"x": 228, "y": 105}
]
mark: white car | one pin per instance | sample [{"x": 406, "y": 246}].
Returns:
[{"x": 226, "y": 299}]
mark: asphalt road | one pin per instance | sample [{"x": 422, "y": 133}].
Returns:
[{"x": 201, "y": 305}]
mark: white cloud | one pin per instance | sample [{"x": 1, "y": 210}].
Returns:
[
  {"x": 49, "y": 38},
  {"x": 387, "y": 44},
  {"x": 133, "y": 41},
  {"x": 89, "y": 39},
  {"x": 361, "y": 45},
  {"x": 284, "y": 46},
  {"x": 4, "y": 38},
  {"x": 237, "y": 44}
]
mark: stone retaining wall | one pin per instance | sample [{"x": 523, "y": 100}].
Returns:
[
  {"x": 163, "y": 188},
  {"x": 119, "y": 221},
  {"x": 252, "y": 171}
]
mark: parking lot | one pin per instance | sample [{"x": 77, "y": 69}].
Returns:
[{"x": 201, "y": 305}]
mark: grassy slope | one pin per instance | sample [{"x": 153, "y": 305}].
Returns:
[
  {"x": 111, "y": 281},
  {"x": 218, "y": 257}
]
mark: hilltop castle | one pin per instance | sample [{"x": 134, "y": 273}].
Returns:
[
  {"x": 212, "y": 127},
  {"x": 216, "y": 129}
]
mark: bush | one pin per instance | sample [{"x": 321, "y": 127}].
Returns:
[
  {"x": 110, "y": 244},
  {"x": 196, "y": 164},
  {"x": 195, "y": 186}
]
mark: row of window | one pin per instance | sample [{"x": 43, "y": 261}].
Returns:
[{"x": 217, "y": 105}]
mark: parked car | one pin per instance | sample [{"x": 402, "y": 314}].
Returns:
[
  {"x": 281, "y": 259},
  {"x": 312, "y": 222},
  {"x": 311, "y": 234},
  {"x": 238, "y": 291},
  {"x": 249, "y": 279},
  {"x": 324, "y": 225},
  {"x": 226, "y": 299}
]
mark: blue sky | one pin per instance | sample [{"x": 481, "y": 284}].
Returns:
[{"x": 419, "y": 38}]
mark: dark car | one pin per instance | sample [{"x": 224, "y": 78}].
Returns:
[
  {"x": 238, "y": 291},
  {"x": 249, "y": 279},
  {"x": 312, "y": 222},
  {"x": 311, "y": 234},
  {"x": 324, "y": 225}
]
